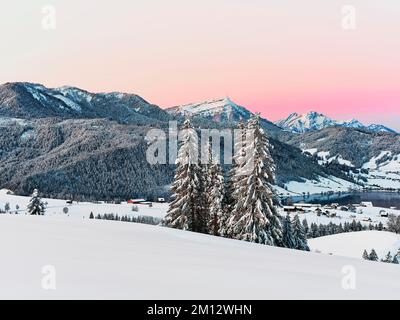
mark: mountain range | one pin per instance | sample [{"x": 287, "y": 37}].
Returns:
[
  {"x": 28, "y": 100},
  {"x": 68, "y": 142},
  {"x": 312, "y": 121}
]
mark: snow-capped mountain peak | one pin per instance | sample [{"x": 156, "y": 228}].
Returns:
[
  {"x": 300, "y": 123},
  {"x": 223, "y": 109},
  {"x": 312, "y": 121},
  {"x": 211, "y": 106}
]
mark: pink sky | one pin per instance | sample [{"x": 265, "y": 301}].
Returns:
[{"x": 276, "y": 57}]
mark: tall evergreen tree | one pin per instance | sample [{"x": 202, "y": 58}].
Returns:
[
  {"x": 365, "y": 255},
  {"x": 185, "y": 211},
  {"x": 234, "y": 178},
  {"x": 299, "y": 235},
  {"x": 395, "y": 260},
  {"x": 237, "y": 163},
  {"x": 373, "y": 256},
  {"x": 306, "y": 227},
  {"x": 36, "y": 205},
  {"x": 215, "y": 195},
  {"x": 254, "y": 217},
  {"x": 314, "y": 230},
  {"x": 288, "y": 240}
]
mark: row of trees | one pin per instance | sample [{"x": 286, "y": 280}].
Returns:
[
  {"x": 373, "y": 256},
  {"x": 315, "y": 230},
  {"x": 126, "y": 218},
  {"x": 239, "y": 206}
]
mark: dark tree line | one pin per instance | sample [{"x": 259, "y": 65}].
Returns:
[
  {"x": 315, "y": 230},
  {"x": 126, "y": 218}
]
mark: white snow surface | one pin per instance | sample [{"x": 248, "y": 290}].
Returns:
[
  {"x": 353, "y": 244},
  {"x": 116, "y": 260}
]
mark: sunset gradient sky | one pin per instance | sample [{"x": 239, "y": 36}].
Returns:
[{"x": 272, "y": 56}]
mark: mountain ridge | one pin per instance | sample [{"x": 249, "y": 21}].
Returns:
[
  {"x": 222, "y": 111},
  {"x": 312, "y": 121},
  {"x": 31, "y": 100}
]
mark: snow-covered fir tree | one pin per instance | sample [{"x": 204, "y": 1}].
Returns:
[
  {"x": 216, "y": 193},
  {"x": 373, "y": 256},
  {"x": 395, "y": 260},
  {"x": 314, "y": 230},
  {"x": 365, "y": 255},
  {"x": 306, "y": 228},
  {"x": 206, "y": 182},
  {"x": 35, "y": 205},
  {"x": 299, "y": 234},
  {"x": 254, "y": 217},
  {"x": 233, "y": 178},
  {"x": 186, "y": 210},
  {"x": 388, "y": 258},
  {"x": 288, "y": 240}
]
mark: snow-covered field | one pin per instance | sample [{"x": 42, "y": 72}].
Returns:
[
  {"x": 107, "y": 259},
  {"x": 353, "y": 244},
  {"x": 82, "y": 210},
  {"x": 362, "y": 215}
]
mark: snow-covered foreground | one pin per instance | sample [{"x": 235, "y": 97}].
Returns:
[
  {"x": 107, "y": 259},
  {"x": 353, "y": 244}
]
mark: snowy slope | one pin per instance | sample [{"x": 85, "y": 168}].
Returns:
[
  {"x": 81, "y": 210},
  {"x": 384, "y": 170},
  {"x": 322, "y": 184},
  {"x": 312, "y": 121},
  {"x": 353, "y": 244},
  {"x": 105, "y": 259}
]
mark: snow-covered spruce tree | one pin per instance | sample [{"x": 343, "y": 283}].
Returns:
[
  {"x": 365, "y": 255},
  {"x": 373, "y": 256},
  {"x": 388, "y": 258},
  {"x": 35, "y": 205},
  {"x": 300, "y": 237},
  {"x": 216, "y": 199},
  {"x": 254, "y": 217},
  {"x": 395, "y": 260},
  {"x": 306, "y": 228},
  {"x": 288, "y": 240},
  {"x": 185, "y": 211},
  {"x": 232, "y": 181},
  {"x": 214, "y": 191}
]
